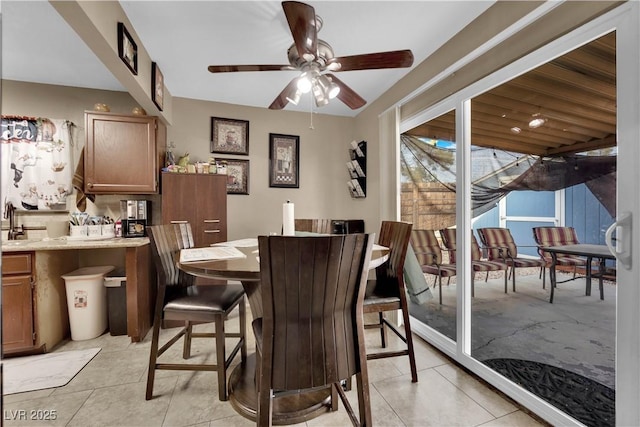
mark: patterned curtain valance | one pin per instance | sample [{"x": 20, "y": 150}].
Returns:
[{"x": 36, "y": 163}]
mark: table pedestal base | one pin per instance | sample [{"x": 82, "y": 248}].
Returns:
[{"x": 288, "y": 409}]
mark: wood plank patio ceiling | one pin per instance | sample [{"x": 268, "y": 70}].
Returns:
[{"x": 575, "y": 93}]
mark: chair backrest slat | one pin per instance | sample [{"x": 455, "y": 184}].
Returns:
[
  {"x": 396, "y": 236},
  {"x": 312, "y": 289},
  {"x": 322, "y": 226},
  {"x": 166, "y": 242}
]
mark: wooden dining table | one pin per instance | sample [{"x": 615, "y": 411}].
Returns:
[{"x": 243, "y": 396}]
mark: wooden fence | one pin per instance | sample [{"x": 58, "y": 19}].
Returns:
[{"x": 429, "y": 205}]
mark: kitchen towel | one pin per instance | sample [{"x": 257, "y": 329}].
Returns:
[
  {"x": 288, "y": 223},
  {"x": 78, "y": 185}
]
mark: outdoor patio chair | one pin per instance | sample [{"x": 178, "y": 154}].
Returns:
[
  {"x": 429, "y": 254},
  {"x": 557, "y": 236},
  {"x": 477, "y": 264},
  {"x": 501, "y": 247}
]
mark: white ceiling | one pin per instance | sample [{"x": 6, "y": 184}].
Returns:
[{"x": 184, "y": 37}]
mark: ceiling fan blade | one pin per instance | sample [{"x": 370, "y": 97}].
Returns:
[
  {"x": 347, "y": 95},
  {"x": 302, "y": 22},
  {"x": 233, "y": 68},
  {"x": 372, "y": 61},
  {"x": 288, "y": 92}
]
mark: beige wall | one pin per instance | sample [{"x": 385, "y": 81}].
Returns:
[{"x": 323, "y": 153}]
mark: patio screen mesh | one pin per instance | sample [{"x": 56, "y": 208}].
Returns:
[{"x": 495, "y": 173}]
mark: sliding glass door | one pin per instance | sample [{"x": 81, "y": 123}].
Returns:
[{"x": 556, "y": 132}]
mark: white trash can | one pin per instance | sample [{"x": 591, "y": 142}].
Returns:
[{"x": 87, "y": 301}]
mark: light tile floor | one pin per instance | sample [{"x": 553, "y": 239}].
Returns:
[{"x": 110, "y": 391}]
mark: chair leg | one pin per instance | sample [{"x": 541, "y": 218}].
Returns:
[
  {"x": 186, "y": 349},
  {"x": 153, "y": 358},
  {"x": 383, "y": 330},
  {"x": 505, "y": 280},
  {"x": 440, "y": 288},
  {"x": 513, "y": 277},
  {"x": 544, "y": 277},
  {"x": 220, "y": 358},
  {"x": 409, "y": 339},
  {"x": 334, "y": 397}
]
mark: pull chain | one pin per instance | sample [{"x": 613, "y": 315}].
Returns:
[{"x": 311, "y": 115}]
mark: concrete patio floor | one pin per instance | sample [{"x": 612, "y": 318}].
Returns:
[{"x": 576, "y": 332}]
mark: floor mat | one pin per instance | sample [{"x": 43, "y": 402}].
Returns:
[
  {"x": 49, "y": 370},
  {"x": 586, "y": 400}
]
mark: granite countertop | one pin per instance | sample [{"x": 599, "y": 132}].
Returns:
[{"x": 63, "y": 243}]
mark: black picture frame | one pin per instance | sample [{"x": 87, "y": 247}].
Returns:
[
  {"x": 284, "y": 161},
  {"x": 229, "y": 136},
  {"x": 157, "y": 86},
  {"x": 237, "y": 176},
  {"x": 127, "y": 49}
]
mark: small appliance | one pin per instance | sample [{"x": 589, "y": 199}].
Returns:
[{"x": 136, "y": 215}]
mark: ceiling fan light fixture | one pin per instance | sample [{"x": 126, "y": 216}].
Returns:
[
  {"x": 295, "y": 98},
  {"x": 319, "y": 94},
  {"x": 304, "y": 82}
]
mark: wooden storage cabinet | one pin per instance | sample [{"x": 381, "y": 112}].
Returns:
[
  {"x": 123, "y": 154},
  {"x": 201, "y": 200},
  {"x": 18, "y": 302}
]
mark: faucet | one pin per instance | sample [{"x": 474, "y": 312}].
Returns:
[{"x": 10, "y": 214}]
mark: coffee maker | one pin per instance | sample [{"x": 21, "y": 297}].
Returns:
[{"x": 136, "y": 215}]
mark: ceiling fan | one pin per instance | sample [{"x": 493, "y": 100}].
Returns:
[{"x": 315, "y": 60}]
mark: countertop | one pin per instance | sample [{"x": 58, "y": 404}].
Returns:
[{"x": 63, "y": 243}]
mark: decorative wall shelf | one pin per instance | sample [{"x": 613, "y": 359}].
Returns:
[{"x": 357, "y": 168}]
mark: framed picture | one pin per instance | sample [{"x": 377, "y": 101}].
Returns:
[
  {"x": 229, "y": 136},
  {"x": 284, "y": 161},
  {"x": 157, "y": 85},
  {"x": 237, "y": 176},
  {"x": 127, "y": 48}
]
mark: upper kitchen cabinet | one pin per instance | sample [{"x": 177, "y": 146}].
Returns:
[{"x": 123, "y": 153}]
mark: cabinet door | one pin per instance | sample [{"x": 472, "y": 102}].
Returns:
[
  {"x": 179, "y": 198},
  {"x": 120, "y": 154},
  {"x": 211, "y": 202},
  {"x": 17, "y": 314},
  {"x": 201, "y": 200}
]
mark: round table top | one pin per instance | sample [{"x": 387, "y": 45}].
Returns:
[{"x": 248, "y": 268}]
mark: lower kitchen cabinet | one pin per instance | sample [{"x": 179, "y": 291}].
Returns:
[
  {"x": 34, "y": 306},
  {"x": 18, "y": 303}
]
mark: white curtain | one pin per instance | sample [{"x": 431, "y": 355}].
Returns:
[{"x": 36, "y": 162}]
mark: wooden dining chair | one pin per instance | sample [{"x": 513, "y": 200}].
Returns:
[
  {"x": 477, "y": 263},
  {"x": 321, "y": 226},
  {"x": 387, "y": 292},
  {"x": 179, "y": 299},
  {"x": 311, "y": 334},
  {"x": 500, "y": 246}
]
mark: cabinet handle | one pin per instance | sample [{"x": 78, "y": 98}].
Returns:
[
  {"x": 179, "y": 222},
  {"x": 206, "y": 221},
  {"x": 89, "y": 184},
  {"x": 211, "y": 231}
]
